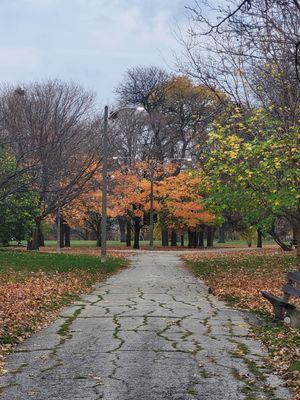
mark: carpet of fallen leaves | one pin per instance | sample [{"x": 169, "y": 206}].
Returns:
[
  {"x": 31, "y": 294},
  {"x": 92, "y": 251},
  {"x": 238, "y": 278}
]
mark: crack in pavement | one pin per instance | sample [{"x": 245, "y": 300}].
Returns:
[
  {"x": 116, "y": 335},
  {"x": 114, "y": 373},
  {"x": 151, "y": 332}
]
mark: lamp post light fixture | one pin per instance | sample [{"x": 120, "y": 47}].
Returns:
[{"x": 107, "y": 117}]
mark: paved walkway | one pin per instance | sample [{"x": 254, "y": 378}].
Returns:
[{"x": 151, "y": 332}]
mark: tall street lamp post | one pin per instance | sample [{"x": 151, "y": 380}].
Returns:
[
  {"x": 104, "y": 187},
  {"x": 151, "y": 242}
]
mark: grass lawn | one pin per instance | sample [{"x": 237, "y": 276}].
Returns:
[
  {"x": 92, "y": 243},
  {"x": 34, "y": 286},
  {"x": 238, "y": 279},
  {"x": 144, "y": 243}
]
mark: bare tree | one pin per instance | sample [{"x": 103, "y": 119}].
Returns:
[
  {"x": 247, "y": 53},
  {"x": 15, "y": 173},
  {"x": 53, "y": 128},
  {"x": 176, "y": 111},
  {"x": 252, "y": 18},
  {"x": 190, "y": 111},
  {"x": 130, "y": 135},
  {"x": 146, "y": 86}
]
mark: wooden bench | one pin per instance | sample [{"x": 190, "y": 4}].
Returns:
[{"x": 281, "y": 305}]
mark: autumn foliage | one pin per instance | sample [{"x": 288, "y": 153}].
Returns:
[
  {"x": 180, "y": 201},
  {"x": 130, "y": 194},
  {"x": 177, "y": 197}
]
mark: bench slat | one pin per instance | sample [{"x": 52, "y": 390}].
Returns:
[
  {"x": 294, "y": 276},
  {"x": 274, "y": 299},
  {"x": 291, "y": 290}
]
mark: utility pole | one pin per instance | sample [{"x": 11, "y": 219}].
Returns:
[
  {"x": 151, "y": 244},
  {"x": 104, "y": 187}
]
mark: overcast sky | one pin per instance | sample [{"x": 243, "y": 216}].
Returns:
[{"x": 89, "y": 41}]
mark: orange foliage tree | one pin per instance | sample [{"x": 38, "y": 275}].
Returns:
[
  {"x": 83, "y": 212},
  {"x": 180, "y": 202},
  {"x": 131, "y": 196},
  {"x": 177, "y": 199}
]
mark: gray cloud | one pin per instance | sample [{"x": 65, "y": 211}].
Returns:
[{"x": 89, "y": 41}]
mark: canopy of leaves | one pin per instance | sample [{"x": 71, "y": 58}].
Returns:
[
  {"x": 177, "y": 198},
  {"x": 19, "y": 204},
  {"x": 253, "y": 169},
  {"x": 181, "y": 202}
]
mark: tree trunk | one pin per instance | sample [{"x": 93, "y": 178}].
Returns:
[
  {"x": 165, "y": 237},
  {"x": 67, "y": 231},
  {"x": 182, "y": 240},
  {"x": 40, "y": 235},
  {"x": 201, "y": 238},
  {"x": 173, "y": 238},
  {"x": 33, "y": 244},
  {"x": 97, "y": 233},
  {"x": 98, "y": 240},
  {"x": 30, "y": 245},
  {"x": 62, "y": 234},
  {"x": 192, "y": 235},
  {"x": 210, "y": 236},
  {"x": 190, "y": 240},
  {"x": 196, "y": 238},
  {"x": 284, "y": 246},
  {"x": 259, "y": 238},
  {"x": 137, "y": 228},
  {"x": 122, "y": 227},
  {"x": 221, "y": 234},
  {"x": 128, "y": 233},
  {"x": 41, "y": 239}
]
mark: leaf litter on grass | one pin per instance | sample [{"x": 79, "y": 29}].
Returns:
[
  {"x": 238, "y": 278},
  {"x": 34, "y": 286}
]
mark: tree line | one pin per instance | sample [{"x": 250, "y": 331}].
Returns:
[{"x": 233, "y": 109}]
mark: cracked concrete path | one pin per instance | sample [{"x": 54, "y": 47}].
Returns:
[{"x": 151, "y": 332}]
